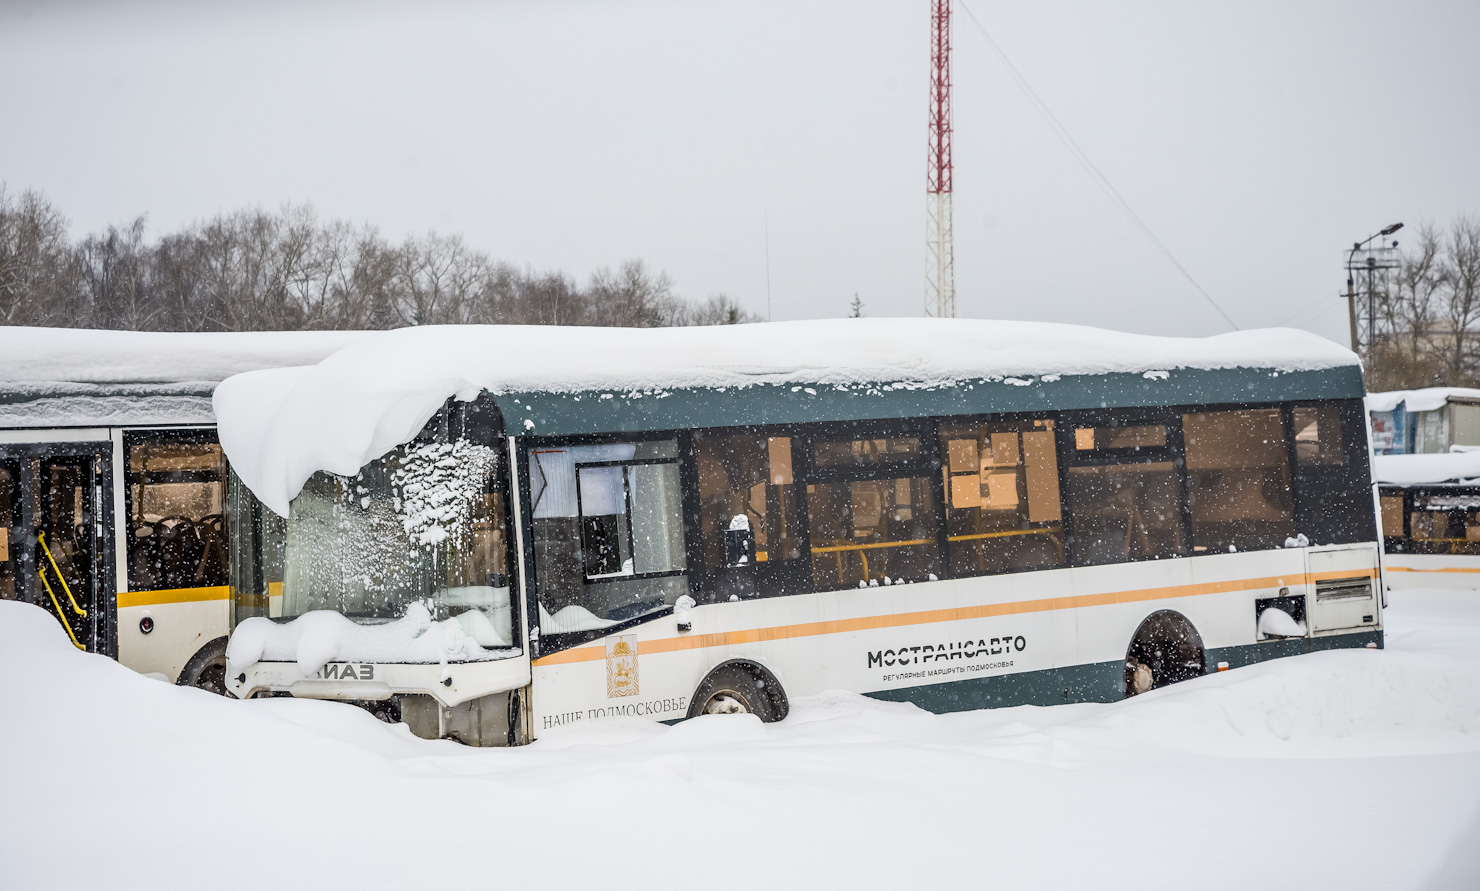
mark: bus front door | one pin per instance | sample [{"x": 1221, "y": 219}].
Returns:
[{"x": 54, "y": 541}]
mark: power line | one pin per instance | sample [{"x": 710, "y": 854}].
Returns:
[
  {"x": 1089, "y": 166},
  {"x": 1323, "y": 303}
]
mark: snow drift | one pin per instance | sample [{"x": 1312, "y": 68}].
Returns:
[
  {"x": 1370, "y": 759},
  {"x": 1366, "y": 762}
]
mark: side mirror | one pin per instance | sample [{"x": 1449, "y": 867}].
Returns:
[
  {"x": 739, "y": 542},
  {"x": 683, "y": 613}
]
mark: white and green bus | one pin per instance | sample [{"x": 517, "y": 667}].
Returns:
[
  {"x": 112, "y": 486},
  {"x": 1430, "y": 517},
  {"x": 496, "y": 531}
]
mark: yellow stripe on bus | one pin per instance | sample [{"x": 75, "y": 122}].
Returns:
[
  {"x": 1442, "y": 569},
  {"x": 172, "y": 595},
  {"x": 866, "y": 623}
]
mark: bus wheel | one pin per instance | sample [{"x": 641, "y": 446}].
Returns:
[
  {"x": 1166, "y": 649},
  {"x": 736, "y": 688},
  {"x": 207, "y": 670}
]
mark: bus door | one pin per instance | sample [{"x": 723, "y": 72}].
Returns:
[
  {"x": 54, "y": 540},
  {"x": 13, "y": 552}
]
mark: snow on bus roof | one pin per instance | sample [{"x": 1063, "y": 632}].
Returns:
[
  {"x": 81, "y": 355},
  {"x": 280, "y": 427},
  {"x": 74, "y": 377},
  {"x": 1419, "y": 470}
]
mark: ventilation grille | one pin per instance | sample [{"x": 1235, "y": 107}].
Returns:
[{"x": 1344, "y": 589}]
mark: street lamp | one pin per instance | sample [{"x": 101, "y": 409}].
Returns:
[{"x": 1351, "y": 296}]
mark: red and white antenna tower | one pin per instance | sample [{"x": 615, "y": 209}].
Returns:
[{"x": 940, "y": 273}]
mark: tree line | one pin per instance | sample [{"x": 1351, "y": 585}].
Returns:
[
  {"x": 259, "y": 270},
  {"x": 1428, "y": 312}
]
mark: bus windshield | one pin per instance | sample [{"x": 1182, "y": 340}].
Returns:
[{"x": 424, "y": 523}]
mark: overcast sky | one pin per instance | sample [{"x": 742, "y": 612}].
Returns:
[{"x": 1257, "y": 140}]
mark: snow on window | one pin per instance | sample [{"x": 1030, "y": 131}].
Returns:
[
  {"x": 437, "y": 482},
  {"x": 423, "y": 527}
]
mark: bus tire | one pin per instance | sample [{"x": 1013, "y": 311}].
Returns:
[
  {"x": 740, "y": 687},
  {"x": 1165, "y": 649},
  {"x": 206, "y": 670}
]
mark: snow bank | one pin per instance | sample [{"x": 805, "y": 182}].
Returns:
[
  {"x": 1415, "y": 470},
  {"x": 1335, "y": 750},
  {"x": 1426, "y": 399},
  {"x": 375, "y": 394},
  {"x": 317, "y": 638}
]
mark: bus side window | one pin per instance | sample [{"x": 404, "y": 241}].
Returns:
[
  {"x": 746, "y": 485},
  {"x": 1318, "y": 435},
  {"x": 1440, "y": 523},
  {"x": 1333, "y": 484},
  {"x": 177, "y": 536},
  {"x": 607, "y": 533},
  {"x": 1238, "y": 480},
  {"x": 1125, "y": 492},
  {"x": 871, "y": 512},
  {"x": 1392, "y": 516},
  {"x": 1002, "y": 497}
]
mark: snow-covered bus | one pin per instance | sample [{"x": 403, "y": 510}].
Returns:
[
  {"x": 499, "y": 531},
  {"x": 112, "y": 486},
  {"x": 1429, "y": 507}
]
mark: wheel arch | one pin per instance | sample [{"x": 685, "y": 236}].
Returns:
[
  {"x": 1168, "y": 642},
  {"x": 210, "y": 651},
  {"x": 775, "y": 693}
]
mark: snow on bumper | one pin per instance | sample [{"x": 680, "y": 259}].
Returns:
[{"x": 451, "y": 683}]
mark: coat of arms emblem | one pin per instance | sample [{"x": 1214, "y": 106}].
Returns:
[{"x": 621, "y": 666}]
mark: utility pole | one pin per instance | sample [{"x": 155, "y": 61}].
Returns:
[
  {"x": 1373, "y": 258},
  {"x": 940, "y": 271}
]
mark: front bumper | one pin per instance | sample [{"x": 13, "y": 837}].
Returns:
[{"x": 450, "y": 684}]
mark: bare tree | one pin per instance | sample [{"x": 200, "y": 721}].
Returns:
[
  {"x": 254, "y": 269},
  {"x": 1461, "y": 273},
  {"x": 37, "y": 262},
  {"x": 719, "y": 309},
  {"x": 115, "y": 276},
  {"x": 631, "y": 296},
  {"x": 1412, "y": 356}
]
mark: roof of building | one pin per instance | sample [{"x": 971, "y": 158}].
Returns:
[{"x": 1426, "y": 399}]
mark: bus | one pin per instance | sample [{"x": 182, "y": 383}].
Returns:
[
  {"x": 112, "y": 487},
  {"x": 499, "y": 531},
  {"x": 1430, "y": 517}
]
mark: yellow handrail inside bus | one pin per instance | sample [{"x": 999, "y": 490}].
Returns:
[
  {"x": 65, "y": 624},
  {"x": 860, "y": 549},
  {"x": 41, "y": 539},
  {"x": 1048, "y": 530},
  {"x": 833, "y": 549}
]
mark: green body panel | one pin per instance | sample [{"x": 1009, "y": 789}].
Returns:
[
  {"x": 1237, "y": 657},
  {"x": 1095, "y": 682},
  {"x": 566, "y": 414}
]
